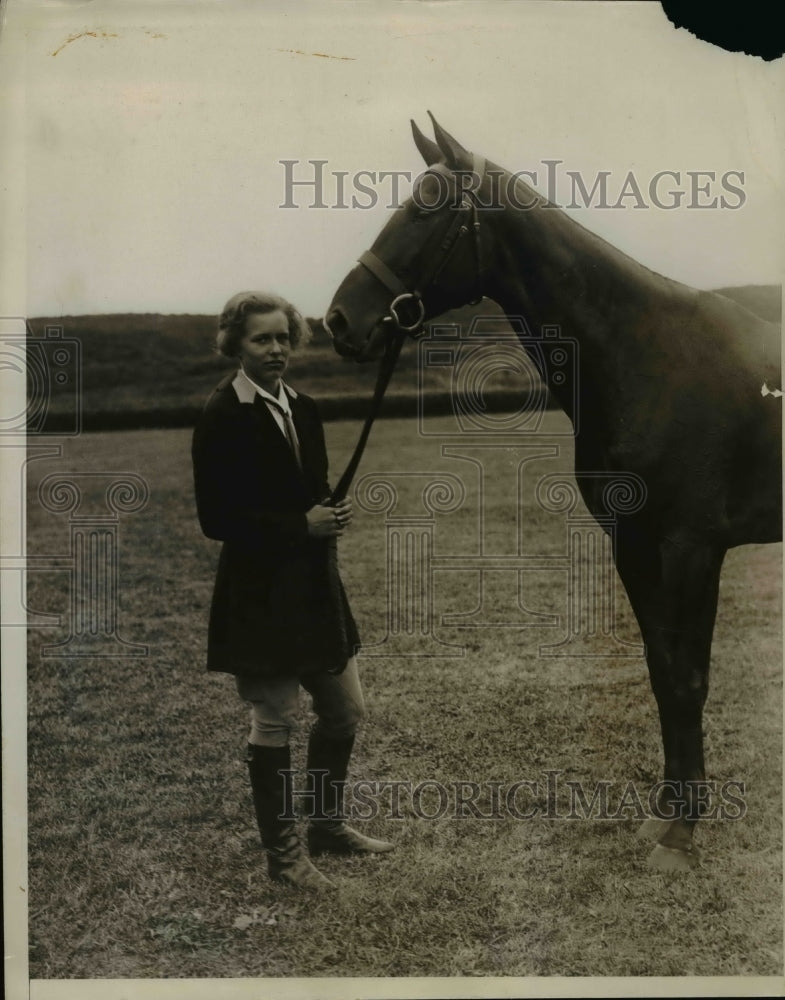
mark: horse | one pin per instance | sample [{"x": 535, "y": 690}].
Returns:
[{"x": 673, "y": 384}]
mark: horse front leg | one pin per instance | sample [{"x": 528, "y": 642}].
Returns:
[{"x": 673, "y": 587}]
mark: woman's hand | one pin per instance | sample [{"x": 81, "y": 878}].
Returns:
[{"x": 329, "y": 522}]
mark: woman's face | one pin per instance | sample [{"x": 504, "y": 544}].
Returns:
[{"x": 265, "y": 348}]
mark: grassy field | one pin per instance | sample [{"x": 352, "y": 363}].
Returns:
[{"x": 144, "y": 857}]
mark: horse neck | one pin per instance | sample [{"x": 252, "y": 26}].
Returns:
[{"x": 548, "y": 269}]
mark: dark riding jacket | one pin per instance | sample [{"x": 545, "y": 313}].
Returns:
[{"x": 278, "y": 604}]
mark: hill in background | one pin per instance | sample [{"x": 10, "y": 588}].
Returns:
[{"x": 150, "y": 369}]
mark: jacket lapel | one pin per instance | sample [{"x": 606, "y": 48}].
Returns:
[
  {"x": 271, "y": 439},
  {"x": 302, "y": 425},
  {"x": 272, "y": 435}
]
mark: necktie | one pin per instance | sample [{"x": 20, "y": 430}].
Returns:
[{"x": 288, "y": 426}]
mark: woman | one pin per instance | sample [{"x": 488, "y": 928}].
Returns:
[{"x": 279, "y": 616}]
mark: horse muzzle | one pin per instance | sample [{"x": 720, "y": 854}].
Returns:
[{"x": 338, "y": 327}]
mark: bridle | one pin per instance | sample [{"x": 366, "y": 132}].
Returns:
[{"x": 465, "y": 219}]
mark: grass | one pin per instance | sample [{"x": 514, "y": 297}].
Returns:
[{"x": 144, "y": 857}]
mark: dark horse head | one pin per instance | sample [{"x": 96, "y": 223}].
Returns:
[{"x": 427, "y": 259}]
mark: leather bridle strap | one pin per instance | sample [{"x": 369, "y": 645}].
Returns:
[
  {"x": 380, "y": 270},
  {"x": 401, "y": 293},
  {"x": 448, "y": 242},
  {"x": 392, "y": 349}
]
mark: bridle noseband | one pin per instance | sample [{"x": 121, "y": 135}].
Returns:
[{"x": 465, "y": 220}]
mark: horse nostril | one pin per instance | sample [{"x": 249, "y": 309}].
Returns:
[{"x": 335, "y": 324}]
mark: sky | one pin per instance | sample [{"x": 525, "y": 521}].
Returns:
[{"x": 143, "y": 167}]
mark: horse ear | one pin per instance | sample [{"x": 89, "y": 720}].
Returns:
[
  {"x": 454, "y": 153},
  {"x": 429, "y": 151}
]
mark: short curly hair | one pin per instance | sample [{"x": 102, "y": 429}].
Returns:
[{"x": 231, "y": 322}]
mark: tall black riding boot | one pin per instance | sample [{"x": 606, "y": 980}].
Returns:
[
  {"x": 328, "y": 762},
  {"x": 286, "y": 859}
]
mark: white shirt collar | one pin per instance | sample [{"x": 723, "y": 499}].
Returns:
[{"x": 246, "y": 388}]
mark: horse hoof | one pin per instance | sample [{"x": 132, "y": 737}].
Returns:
[
  {"x": 653, "y": 828},
  {"x": 673, "y": 859}
]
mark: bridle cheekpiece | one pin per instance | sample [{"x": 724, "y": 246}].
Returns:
[{"x": 465, "y": 220}]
